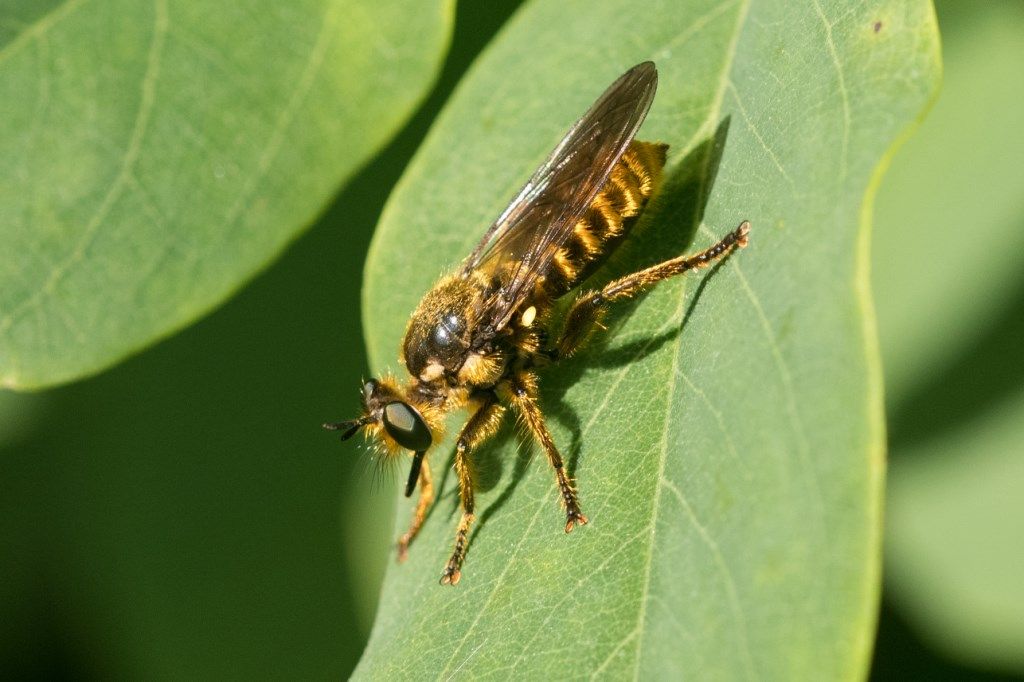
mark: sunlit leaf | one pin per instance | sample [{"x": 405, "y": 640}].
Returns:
[{"x": 726, "y": 433}]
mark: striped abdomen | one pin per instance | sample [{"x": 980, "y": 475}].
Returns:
[{"x": 611, "y": 215}]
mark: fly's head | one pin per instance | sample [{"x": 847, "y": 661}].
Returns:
[{"x": 394, "y": 421}]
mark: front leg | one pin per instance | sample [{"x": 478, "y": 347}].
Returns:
[
  {"x": 524, "y": 398},
  {"x": 420, "y": 513},
  {"x": 481, "y": 426}
]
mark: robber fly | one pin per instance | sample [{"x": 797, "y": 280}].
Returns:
[{"x": 478, "y": 337}]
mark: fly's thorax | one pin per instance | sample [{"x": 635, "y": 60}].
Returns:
[{"x": 438, "y": 339}]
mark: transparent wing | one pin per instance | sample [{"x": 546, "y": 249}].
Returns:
[{"x": 519, "y": 247}]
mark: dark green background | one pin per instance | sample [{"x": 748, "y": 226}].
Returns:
[{"x": 182, "y": 515}]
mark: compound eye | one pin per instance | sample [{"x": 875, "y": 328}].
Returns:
[{"x": 407, "y": 427}]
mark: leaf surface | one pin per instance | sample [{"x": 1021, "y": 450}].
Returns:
[
  {"x": 726, "y": 433},
  {"x": 156, "y": 155}
]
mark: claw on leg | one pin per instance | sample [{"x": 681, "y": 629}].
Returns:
[
  {"x": 403, "y": 547},
  {"x": 573, "y": 519},
  {"x": 453, "y": 571},
  {"x": 573, "y": 516},
  {"x": 524, "y": 398},
  {"x": 451, "y": 575}
]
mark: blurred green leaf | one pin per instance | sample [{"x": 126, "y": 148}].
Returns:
[
  {"x": 954, "y": 550},
  {"x": 731, "y": 466},
  {"x": 951, "y": 313},
  {"x": 950, "y": 224},
  {"x": 156, "y": 155},
  {"x": 183, "y": 515}
]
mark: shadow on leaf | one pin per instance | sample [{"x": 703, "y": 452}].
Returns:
[{"x": 666, "y": 230}]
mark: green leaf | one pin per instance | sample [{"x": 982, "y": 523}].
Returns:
[
  {"x": 954, "y": 554},
  {"x": 726, "y": 433},
  {"x": 155, "y": 156}
]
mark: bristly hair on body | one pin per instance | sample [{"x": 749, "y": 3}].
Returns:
[{"x": 479, "y": 337}]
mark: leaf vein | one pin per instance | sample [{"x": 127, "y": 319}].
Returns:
[
  {"x": 494, "y": 589},
  {"x": 613, "y": 653},
  {"x": 146, "y": 101},
  {"x": 803, "y": 451},
  {"x": 730, "y": 583},
  {"x": 276, "y": 137},
  {"x": 713, "y": 113},
  {"x": 569, "y": 592},
  {"x": 720, "y": 422},
  {"x": 843, "y": 93},
  {"x": 39, "y": 28},
  {"x": 757, "y": 135}
]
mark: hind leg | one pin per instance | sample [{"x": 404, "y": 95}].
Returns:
[{"x": 590, "y": 308}]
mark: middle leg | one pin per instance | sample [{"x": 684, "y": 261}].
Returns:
[{"x": 524, "y": 398}]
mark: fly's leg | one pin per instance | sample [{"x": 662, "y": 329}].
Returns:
[
  {"x": 590, "y": 308},
  {"x": 524, "y": 399},
  {"x": 481, "y": 426},
  {"x": 420, "y": 513}
]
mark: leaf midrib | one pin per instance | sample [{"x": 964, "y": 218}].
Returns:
[{"x": 713, "y": 112}]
